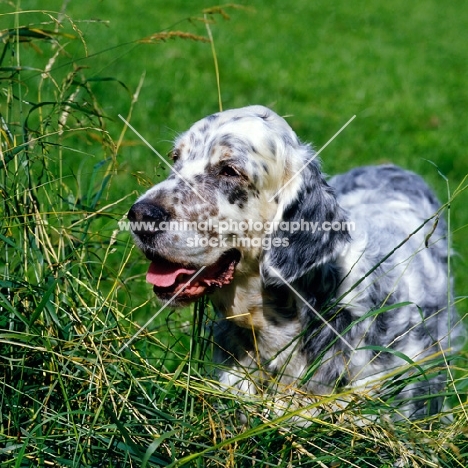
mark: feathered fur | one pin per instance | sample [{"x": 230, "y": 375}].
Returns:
[{"x": 313, "y": 308}]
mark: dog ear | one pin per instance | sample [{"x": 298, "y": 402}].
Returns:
[{"x": 311, "y": 228}]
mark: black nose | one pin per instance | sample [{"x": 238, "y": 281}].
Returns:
[
  {"x": 144, "y": 211},
  {"x": 148, "y": 216}
]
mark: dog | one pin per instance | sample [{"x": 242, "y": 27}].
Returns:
[{"x": 318, "y": 285}]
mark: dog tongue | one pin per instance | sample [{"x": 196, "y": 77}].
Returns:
[{"x": 164, "y": 274}]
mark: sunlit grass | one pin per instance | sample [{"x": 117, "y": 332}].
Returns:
[{"x": 72, "y": 295}]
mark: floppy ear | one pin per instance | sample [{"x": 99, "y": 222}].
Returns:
[{"x": 321, "y": 229}]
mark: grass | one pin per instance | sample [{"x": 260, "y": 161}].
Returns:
[{"x": 72, "y": 288}]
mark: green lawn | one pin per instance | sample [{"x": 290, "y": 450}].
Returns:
[{"x": 72, "y": 286}]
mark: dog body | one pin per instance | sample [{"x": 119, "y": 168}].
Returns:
[{"x": 318, "y": 285}]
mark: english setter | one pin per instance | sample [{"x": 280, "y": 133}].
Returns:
[{"x": 317, "y": 284}]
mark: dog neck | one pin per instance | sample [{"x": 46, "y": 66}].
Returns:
[
  {"x": 248, "y": 304},
  {"x": 241, "y": 302}
]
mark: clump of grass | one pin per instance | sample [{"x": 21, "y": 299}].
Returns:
[{"x": 69, "y": 397}]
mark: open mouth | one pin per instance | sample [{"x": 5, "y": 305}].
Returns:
[{"x": 170, "y": 279}]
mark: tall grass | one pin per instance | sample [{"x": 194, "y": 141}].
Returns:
[{"x": 67, "y": 307}]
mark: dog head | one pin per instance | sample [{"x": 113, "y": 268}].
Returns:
[{"x": 237, "y": 176}]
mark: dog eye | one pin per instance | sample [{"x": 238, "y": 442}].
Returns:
[
  {"x": 174, "y": 155},
  {"x": 229, "y": 171}
]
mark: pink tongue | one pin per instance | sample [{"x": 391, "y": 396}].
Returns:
[{"x": 164, "y": 274}]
